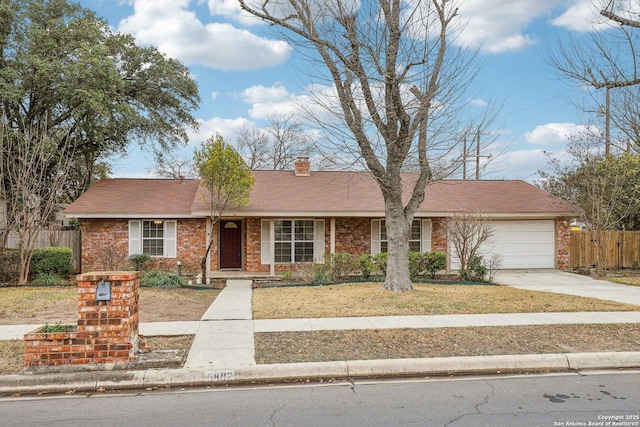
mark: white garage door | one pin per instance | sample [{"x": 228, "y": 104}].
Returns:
[{"x": 520, "y": 244}]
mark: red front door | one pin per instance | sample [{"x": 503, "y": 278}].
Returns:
[{"x": 230, "y": 244}]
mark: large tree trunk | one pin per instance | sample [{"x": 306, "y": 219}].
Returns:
[{"x": 398, "y": 233}]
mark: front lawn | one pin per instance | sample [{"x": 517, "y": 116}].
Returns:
[
  {"x": 52, "y": 304},
  {"x": 369, "y": 299}
]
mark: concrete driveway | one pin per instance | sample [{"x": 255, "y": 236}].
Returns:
[{"x": 568, "y": 283}]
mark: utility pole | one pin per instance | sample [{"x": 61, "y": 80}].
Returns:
[
  {"x": 478, "y": 133},
  {"x": 464, "y": 157},
  {"x": 607, "y": 121}
]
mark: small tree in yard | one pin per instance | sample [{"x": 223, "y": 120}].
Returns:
[
  {"x": 467, "y": 232},
  {"x": 227, "y": 179},
  {"x": 33, "y": 170}
]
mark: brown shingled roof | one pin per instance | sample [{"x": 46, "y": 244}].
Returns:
[
  {"x": 321, "y": 193},
  {"x": 136, "y": 197}
]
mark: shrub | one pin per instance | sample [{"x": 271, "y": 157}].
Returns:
[
  {"x": 476, "y": 272},
  {"x": 416, "y": 264},
  {"x": 52, "y": 260},
  {"x": 49, "y": 279},
  {"x": 380, "y": 260},
  {"x": 435, "y": 261},
  {"x": 342, "y": 265},
  {"x": 366, "y": 265},
  {"x": 313, "y": 273},
  {"x": 159, "y": 279},
  {"x": 140, "y": 262},
  {"x": 49, "y": 329}
]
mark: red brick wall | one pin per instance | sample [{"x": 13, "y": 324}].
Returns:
[
  {"x": 252, "y": 246},
  {"x": 105, "y": 245},
  {"x": 192, "y": 238},
  {"x": 439, "y": 234},
  {"x": 563, "y": 243},
  {"x": 353, "y": 235}
]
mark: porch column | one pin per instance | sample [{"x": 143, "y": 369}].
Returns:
[
  {"x": 332, "y": 237},
  {"x": 209, "y": 236},
  {"x": 272, "y": 249}
]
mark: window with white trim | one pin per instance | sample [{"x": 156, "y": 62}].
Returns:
[
  {"x": 294, "y": 241},
  {"x": 156, "y": 238},
  {"x": 419, "y": 240}
]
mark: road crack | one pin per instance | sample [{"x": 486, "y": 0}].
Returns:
[{"x": 491, "y": 393}]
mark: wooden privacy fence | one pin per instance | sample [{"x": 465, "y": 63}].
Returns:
[
  {"x": 621, "y": 249},
  {"x": 63, "y": 238}
]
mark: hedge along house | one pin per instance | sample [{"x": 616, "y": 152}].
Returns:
[{"x": 299, "y": 216}]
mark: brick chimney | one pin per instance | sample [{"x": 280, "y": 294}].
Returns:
[{"x": 302, "y": 166}]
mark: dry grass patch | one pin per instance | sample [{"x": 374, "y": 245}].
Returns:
[
  {"x": 319, "y": 346},
  {"x": 369, "y": 299},
  {"x": 176, "y": 342},
  {"x": 11, "y": 357},
  {"x": 35, "y": 304},
  {"x": 633, "y": 281},
  {"x": 51, "y": 304}
]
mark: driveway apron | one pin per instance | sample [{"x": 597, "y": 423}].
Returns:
[{"x": 562, "y": 282}]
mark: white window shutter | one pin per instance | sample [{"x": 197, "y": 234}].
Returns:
[
  {"x": 265, "y": 243},
  {"x": 425, "y": 236},
  {"x": 375, "y": 236},
  {"x": 135, "y": 240},
  {"x": 318, "y": 242},
  {"x": 170, "y": 239}
]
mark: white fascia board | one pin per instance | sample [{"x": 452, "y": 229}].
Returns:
[{"x": 379, "y": 214}]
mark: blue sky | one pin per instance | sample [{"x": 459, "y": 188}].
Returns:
[{"x": 246, "y": 73}]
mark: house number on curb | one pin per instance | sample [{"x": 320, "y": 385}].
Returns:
[{"x": 103, "y": 291}]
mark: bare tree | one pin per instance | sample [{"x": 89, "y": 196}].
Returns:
[
  {"x": 169, "y": 166},
  {"x": 397, "y": 85},
  {"x": 33, "y": 170},
  {"x": 467, "y": 232},
  {"x": 606, "y": 60},
  {"x": 277, "y": 146}
]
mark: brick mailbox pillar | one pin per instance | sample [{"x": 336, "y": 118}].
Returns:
[{"x": 107, "y": 329}]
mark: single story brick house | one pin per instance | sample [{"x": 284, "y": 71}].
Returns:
[{"x": 299, "y": 216}]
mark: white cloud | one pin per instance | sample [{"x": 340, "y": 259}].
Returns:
[
  {"x": 227, "y": 128},
  {"x": 556, "y": 134},
  {"x": 231, "y": 9},
  {"x": 518, "y": 164},
  {"x": 215, "y": 95},
  {"x": 177, "y": 31},
  {"x": 478, "y": 102},
  {"x": 273, "y": 101},
  {"x": 582, "y": 16},
  {"x": 497, "y": 26}
]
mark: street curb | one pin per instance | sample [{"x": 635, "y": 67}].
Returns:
[{"x": 98, "y": 381}]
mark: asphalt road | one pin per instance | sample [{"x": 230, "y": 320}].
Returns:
[{"x": 597, "y": 398}]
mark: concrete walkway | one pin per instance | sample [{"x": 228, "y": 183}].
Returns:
[
  {"x": 562, "y": 282},
  {"x": 224, "y": 337}
]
